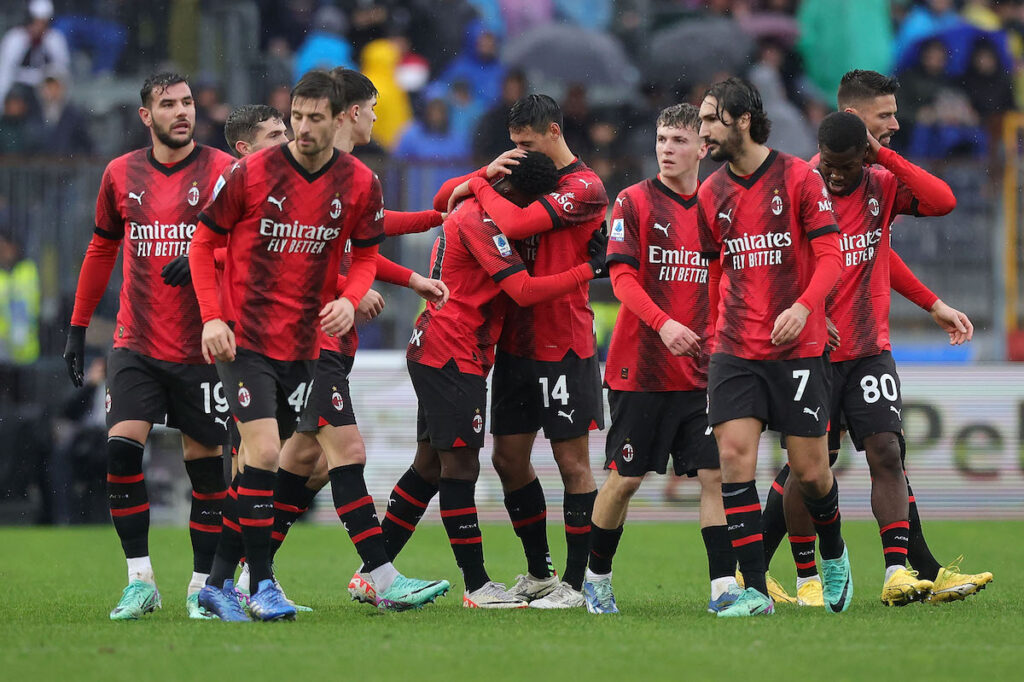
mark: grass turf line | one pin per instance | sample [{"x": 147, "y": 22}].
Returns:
[{"x": 59, "y": 584}]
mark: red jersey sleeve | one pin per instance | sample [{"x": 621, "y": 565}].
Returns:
[
  {"x": 627, "y": 288},
  {"x": 101, "y": 255},
  {"x": 445, "y": 193},
  {"x": 227, "y": 205},
  {"x": 585, "y": 201},
  {"x": 624, "y": 243},
  {"x": 401, "y": 222},
  {"x": 368, "y": 229},
  {"x": 109, "y": 221},
  {"x": 492, "y": 250},
  {"x": 392, "y": 273},
  {"x": 816, "y": 216},
  {"x": 516, "y": 222},
  {"x": 919, "y": 192},
  {"x": 707, "y": 230},
  {"x": 907, "y": 285}
]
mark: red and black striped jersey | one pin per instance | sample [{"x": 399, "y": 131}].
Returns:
[
  {"x": 287, "y": 230},
  {"x": 153, "y": 209},
  {"x": 761, "y": 227},
  {"x": 654, "y": 230},
  {"x": 471, "y": 256},
  {"x": 549, "y": 330}
]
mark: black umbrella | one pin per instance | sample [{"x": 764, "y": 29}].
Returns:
[
  {"x": 571, "y": 54},
  {"x": 695, "y": 50}
]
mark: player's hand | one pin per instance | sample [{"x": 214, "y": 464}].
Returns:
[
  {"x": 337, "y": 317},
  {"x": 597, "y": 247},
  {"x": 789, "y": 324},
  {"x": 74, "y": 354},
  {"x": 176, "y": 273},
  {"x": 503, "y": 164},
  {"x": 873, "y": 146},
  {"x": 433, "y": 290},
  {"x": 218, "y": 341},
  {"x": 953, "y": 322},
  {"x": 679, "y": 339},
  {"x": 458, "y": 194},
  {"x": 370, "y": 307},
  {"x": 833, "y": 334}
]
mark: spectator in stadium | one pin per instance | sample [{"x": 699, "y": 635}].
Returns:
[
  {"x": 211, "y": 115},
  {"x": 790, "y": 131},
  {"x": 921, "y": 84},
  {"x": 490, "y": 137},
  {"x": 29, "y": 52},
  {"x": 394, "y": 111},
  {"x": 435, "y": 141},
  {"x": 836, "y": 35},
  {"x": 465, "y": 111},
  {"x": 65, "y": 128},
  {"x": 987, "y": 83},
  {"x": 577, "y": 119},
  {"x": 19, "y": 318},
  {"x": 19, "y": 125},
  {"x": 478, "y": 65},
  {"x": 928, "y": 18},
  {"x": 102, "y": 38},
  {"x": 325, "y": 47},
  {"x": 948, "y": 128}
]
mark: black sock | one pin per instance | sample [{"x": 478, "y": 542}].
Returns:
[
  {"x": 291, "y": 500},
  {"x": 802, "y": 547},
  {"x": 577, "y": 508},
  {"x": 529, "y": 513},
  {"x": 231, "y": 547},
  {"x": 204, "y": 524},
  {"x": 355, "y": 509},
  {"x": 603, "y": 544},
  {"x": 721, "y": 557},
  {"x": 743, "y": 514},
  {"x": 918, "y": 553},
  {"x": 458, "y": 513},
  {"x": 126, "y": 494},
  {"x": 828, "y": 522},
  {"x": 256, "y": 517},
  {"x": 895, "y": 537},
  {"x": 406, "y": 505},
  {"x": 773, "y": 518}
]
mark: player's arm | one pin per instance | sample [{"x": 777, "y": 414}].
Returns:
[
  {"x": 711, "y": 249},
  {"x": 515, "y": 221},
  {"x": 526, "y": 290},
  {"x": 931, "y": 195},
  {"x": 677, "y": 337},
  {"x": 402, "y": 222},
  {"x": 455, "y": 189},
  {"x": 433, "y": 290},
  {"x": 444, "y": 194},
  {"x": 100, "y": 257},
  {"x": 950, "y": 320}
]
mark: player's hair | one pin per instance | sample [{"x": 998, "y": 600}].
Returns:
[
  {"x": 842, "y": 131},
  {"x": 243, "y": 122},
  {"x": 159, "y": 81},
  {"x": 860, "y": 84},
  {"x": 737, "y": 97},
  {"x": 319, "y": 84},
  {"x": 357, "y": 87},
  {"x": 534, "y": 111},
  {"x": 534, "y": 175},
  {"x": 680, "y": 116}
]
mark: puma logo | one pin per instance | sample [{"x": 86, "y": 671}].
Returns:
[
  {"x": 223, "y": 422},
  {"x": 898, "y": 415},
  {"x": 137, "y": 197},
  {"x": 727, "y": 216},
  {"x": 585, "y": 183},
  {"x": 663, "y": 228},
  {"x": 277, "y": 202},
  {"x": 813, "y": 413},
  {"x": 567, "y": 416}
]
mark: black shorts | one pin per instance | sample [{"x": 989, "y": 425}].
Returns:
[
  {"x": 866, "y": 393},
  {"x": 565, "y": 398},
  {"x": 330, "y": 403},
  {"x": 451, "y": 408},
  {"x": 189, "y": 398},
  {"x": 789, "y": 396},
  {"x": 648, "y": 427},
  {"x": 259, "y": 387}
]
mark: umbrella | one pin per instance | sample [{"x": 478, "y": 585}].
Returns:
[
  {"x": 959, "y": 41},
  {"x": 571, "y": 54},
  {"x": 695, "y": 50}
]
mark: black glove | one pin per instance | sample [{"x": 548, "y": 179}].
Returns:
[
  {"x": 74, "y": 354},
  {"x": 176, "y": 273},
  {"x": 597, "y": 247}
]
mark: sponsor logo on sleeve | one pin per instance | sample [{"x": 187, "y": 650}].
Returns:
[
  {"x": 504, "y": 248},
  {"x": 618, "y": 233}
]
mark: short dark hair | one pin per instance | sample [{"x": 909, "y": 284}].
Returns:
[
  {"x": 680, "y": 116},
  {"x": 860, "y": 84},
  {"x": 737, "y": 97},
  {"x": 243, "y": 121},
  {"x": 319, "y": 84},
  {"x": 159, "y": 81},
  {"x": 356, "y": 86},
  {"x": 842, "y": 131},
  {"x": 534, "y": 111},
  {"x": 534, "y": 175}
]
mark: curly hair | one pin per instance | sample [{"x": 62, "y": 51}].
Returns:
[
  {"x": 737, "y": 97},
  {"x": 535, "y": 175}
]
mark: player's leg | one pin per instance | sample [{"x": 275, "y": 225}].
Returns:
[
  {"x": 715, "y": 533},
  {"x": 609, "y": 517},
  {"x": 301, "y": 456},
  {"x": 802, "y": 541},
  {"x": 773, "y": 518},
  {"x": 205, "y": 468},
  {"x": 410, "y": 497}
]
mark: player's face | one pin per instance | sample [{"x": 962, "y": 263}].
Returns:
[
  {"x": 313, "y": 125},
  {"x": 722, "y": 135},
  {"x": 679, "y": 150},
  {"x": 507, "y": 190},
  {"x": 527, "y": 139},
  {"x": 363, "y": 117},
  {"x": 171, "y": 115},
  {"x": 269, "y": 133},
  {"x": 841, "y": 171},
  {"x": 879, "y": 115}
]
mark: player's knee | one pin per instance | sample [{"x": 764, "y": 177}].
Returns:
[
  {"x": 710, "y": 481},
  {"x": 462, "y": 467},
  {"x": 507, "y": 463},
  {"x": 426, "y": 463},
  {"x": 884, "y": 455},
  {"x": 622, "y": 488}
]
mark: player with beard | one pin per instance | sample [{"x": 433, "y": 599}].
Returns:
[
  {"x": 766, "y": 225},
  {"x": 149, "y": 199}
]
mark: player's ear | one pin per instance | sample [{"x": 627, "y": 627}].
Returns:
[
  {"x": 744, "y": 121},
  {"x": 554, "y": 130},
  {"x": 146, "y": 115},
  {"x": 703, "y": 151},
  {"x": 241, "y": 147}
]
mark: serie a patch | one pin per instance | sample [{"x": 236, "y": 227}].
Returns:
[
  {"x": 618, "y": 233},
  {"x": 504, "y": 248}
]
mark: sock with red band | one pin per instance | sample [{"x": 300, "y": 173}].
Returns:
[
  {"x": 408, "y": 501},
  {"x": 291, "y": 500},
  {"x": 577, "y": 508},
  {"x": 231, "y": 548},
  {"x": 355, "y": 509},
  {"x": 721, "y": 557},
  {"x": 827, "y": 522},
  {"x": 127, "y": 496},
  {"x": 604, "y": 542},
  {"x": 256, "y": 518},
  {"x": 743, "y": 516},
  {"x": 773, "y": 518},
  {"x": 918, "y": 553},
  {"x": 204, "y": 524},
  {"x": 528, "y": 512},
  {"x": 458, "y": 513},
  {"x": 895, "y": 537},
  {"x": 802, "y": 547}
]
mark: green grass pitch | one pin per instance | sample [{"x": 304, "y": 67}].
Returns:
[{"x": 57, "y": 586}]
